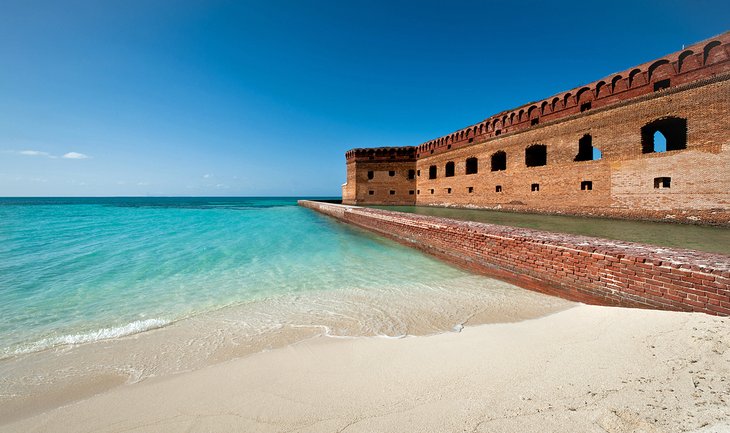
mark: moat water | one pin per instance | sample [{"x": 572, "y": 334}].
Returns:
[{"x": 703, "y": 238}]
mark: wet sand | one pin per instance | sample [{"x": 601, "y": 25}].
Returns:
[{"x": 587, "y": 368}]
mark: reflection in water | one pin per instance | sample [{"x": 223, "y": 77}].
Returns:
[{"x": 711, "y": 239}]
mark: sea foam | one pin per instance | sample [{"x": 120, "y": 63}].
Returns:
[{"x": 88, "y": 337}]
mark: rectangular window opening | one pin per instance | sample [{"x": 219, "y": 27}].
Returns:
[
  {"x": 471, "y": 140},
  {"x": 410, "y": 192},
  {"x": 448, "y": 147},
  {"x": 470, "y": 189},
  {"x": 498, "y": 188},
  {"x": 431, "y": 190},
  {"x": 371, "y": 192},
  {"x": 662, "y": 182},
  {"x": 411, "y": 174},
  {"x": 534, "y": 122},
  {"x": 586, "y": 185},
  {"x": 661, "y": 85},
  {"x": 585, "y": 106},
  {"x": 535, "y": 187},
  {"x": 498, "y": 132},
  {"x": 371, "y": 174},
  {"x": 391, "y": 173},
  {"x": 448, "y": 190},
  {"x": 392, "y": 192}
]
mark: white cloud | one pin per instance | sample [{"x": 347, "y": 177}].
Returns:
[
  {"x": 31, "y": 153},
  {"x": 207, "y": 176},
  {"x": 75, "y": 155},
  {"x": 142, "y": 183}
]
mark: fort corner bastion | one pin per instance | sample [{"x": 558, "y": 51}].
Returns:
[{"x": 593, "y": 150}]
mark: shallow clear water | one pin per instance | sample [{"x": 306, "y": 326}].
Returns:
[
  {"x": 80, "y": 270},
  {"x": 99, "y": 292},
  {"x": 703, "y": 238}
]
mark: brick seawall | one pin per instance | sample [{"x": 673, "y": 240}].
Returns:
[{"x": 581, "y": 268}]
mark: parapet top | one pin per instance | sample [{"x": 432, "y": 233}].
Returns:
[{"x": 404, "y": 153}]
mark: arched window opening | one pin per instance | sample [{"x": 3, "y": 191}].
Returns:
[
  {"x": 432, "y": 172},
  {"x": 371, "y": 175},
  {"x": 586, "y": 151},
  {"x": 663, "y": 135},
  {"x": 499, "y": 161},
  {"x": 472, "y": 166},
  {"x": 449, "y": 169},
  {"x": 536, "y": 155}
]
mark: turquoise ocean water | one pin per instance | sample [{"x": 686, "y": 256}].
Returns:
[
  {"x": 96, "y": 292},
  {"x": 80, "y": 270}
]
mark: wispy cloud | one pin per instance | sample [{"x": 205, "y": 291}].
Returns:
[
  {"x": 75, "y": 155},
  {"x": 207, "y": 176},
  {"x": 31, "y": 153},
  {"x": 42, "y": 154}
]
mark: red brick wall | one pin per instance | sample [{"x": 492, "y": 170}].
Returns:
[
  {"x": 622, "y": 181},
  {"x": 581, "y": 268}
]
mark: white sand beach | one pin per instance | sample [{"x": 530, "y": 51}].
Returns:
[{"x": 585, "y": 369}]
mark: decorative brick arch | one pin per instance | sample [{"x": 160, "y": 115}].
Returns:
[
  {"x": 554, "y": 104},
  {"x": 567, "y": 100},
  {"x": 617, "y": 83},
  {"x": 584, "y": 95},
  {"x": 636, "y": 78},
  {"x": 659, "y": 70},
  {"x": 714, "y": 52},
  {"x": 687, "y": 61}
]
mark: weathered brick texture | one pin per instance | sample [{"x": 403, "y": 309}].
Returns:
[
  {"x": 691, "y": 86},
  {"x": 586, "y": 269}
]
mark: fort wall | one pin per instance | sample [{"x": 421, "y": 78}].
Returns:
[
  {"x": 541, "y": 157},
  {"x": 580, "y": 268}
]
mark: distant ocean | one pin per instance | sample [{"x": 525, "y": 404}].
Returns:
[{"x": 76, "y": 271}]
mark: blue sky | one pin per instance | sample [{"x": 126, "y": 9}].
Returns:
[{"x": 263, "y": 98}]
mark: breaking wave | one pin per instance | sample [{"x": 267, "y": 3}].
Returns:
[{"x": 88, "y": 337}]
